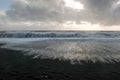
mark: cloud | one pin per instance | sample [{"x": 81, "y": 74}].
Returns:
[
  {"x": 32, "y": 10},
  {"x": 101, "y": 11},
  {"x": 55, "y": 12}
]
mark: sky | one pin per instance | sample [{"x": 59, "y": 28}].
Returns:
[
  {"x": 4, "y": 4},
  {"x": 60, "y": 15}
]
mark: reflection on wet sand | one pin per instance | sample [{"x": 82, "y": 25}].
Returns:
[{"x": 73, "y": 50}]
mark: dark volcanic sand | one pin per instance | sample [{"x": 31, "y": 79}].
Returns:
[{"x": 16, "y": 66}]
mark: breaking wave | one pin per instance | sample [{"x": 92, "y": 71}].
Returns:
[{"x": 59, "y": 34}]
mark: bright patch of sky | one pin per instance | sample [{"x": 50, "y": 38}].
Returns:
[
  {"x": 74, "y": 4},
  {"x": 4, "y": 4}
]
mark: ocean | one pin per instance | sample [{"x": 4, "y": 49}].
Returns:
[{"x": 75, "y": 46}]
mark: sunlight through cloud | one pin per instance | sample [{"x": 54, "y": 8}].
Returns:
[{"x": 74, "y": 4}]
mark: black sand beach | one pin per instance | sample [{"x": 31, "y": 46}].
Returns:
[{"x": 16, "y": 66}]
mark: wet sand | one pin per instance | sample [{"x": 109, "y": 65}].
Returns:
[
  {"x": 103, "y": 50},
  {"x": 16, "y": 66}
]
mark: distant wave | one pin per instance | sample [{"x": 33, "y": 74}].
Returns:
[{"x": 60, "y": 34}]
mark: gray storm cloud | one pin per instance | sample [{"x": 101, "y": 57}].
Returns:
[
  {"x": 42, "y": 10},
  {"x": 35, "y": 10},
  {"x": 104, "y": 12}
]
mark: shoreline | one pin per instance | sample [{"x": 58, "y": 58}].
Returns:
[{"x": 15, "y": 65}]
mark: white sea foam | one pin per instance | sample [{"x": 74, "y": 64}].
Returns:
[{"x": 73, "y": 49}]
